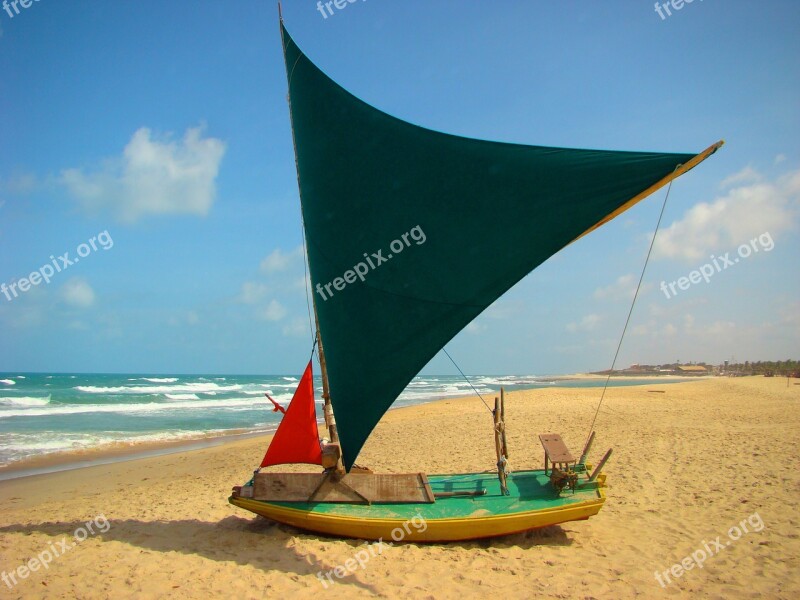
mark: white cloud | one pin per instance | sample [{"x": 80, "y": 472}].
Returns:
[
  {"x": 658, "y": 329},
  {"x": 474, "y": 328},
  {"x": 791, "y": 183},
  {"x": 503, "y": 309},
  {"x": 718, "y": 328},
  {"x": 623, "y": 287},
  {"x": 78, "y": 293},
  {"x": 746, "y": 175},
  {"x": 302, "y": 283},
  {"x": 588, "y": 323},
  {"x": 274, "y": 311},
  {"x": 252, "y": 292},
  {"x": 707, "y": 330},
  {"x": 189, "y": 317},
  {"x": 780, "y": 158},
  {"x": 152, "y": 177},
  {"x": 22, "y": 184},
  {"x": 733, "y": 219},
  {"x": 297, "y": 327},
  {"x": 278, "y": 260}
]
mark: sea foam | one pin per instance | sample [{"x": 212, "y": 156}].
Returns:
[{"x": 23, "y": 401}]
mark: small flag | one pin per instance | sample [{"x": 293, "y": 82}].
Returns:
[{"x": 278, "y": 407}]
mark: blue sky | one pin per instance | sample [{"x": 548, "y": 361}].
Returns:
[{"x": 161, "y": 130}]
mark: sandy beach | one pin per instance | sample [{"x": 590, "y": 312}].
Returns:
[{"x": 693, "y": 463}]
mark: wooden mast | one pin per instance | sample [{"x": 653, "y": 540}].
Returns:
[{"x": 330, "y": 421}]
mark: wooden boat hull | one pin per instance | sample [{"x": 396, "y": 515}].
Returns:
[{"x": 532, "y": 504}]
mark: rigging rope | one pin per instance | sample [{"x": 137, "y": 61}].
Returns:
[
  {"x": 314, "y": 346},
  {"x": 633, "y": 303},
  {"x": 306, "y": 280},
  {"x": 467, "y": 380},
  {"x": 624, "y": 329}
]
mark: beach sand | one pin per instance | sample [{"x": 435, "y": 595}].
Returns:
[{"x": 688, "y": 465}]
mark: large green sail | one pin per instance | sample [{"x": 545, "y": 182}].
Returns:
[{"x": 412, "y": 233}]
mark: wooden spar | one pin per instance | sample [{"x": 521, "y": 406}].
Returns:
[
  {"x": 600, "y": 466},
  {"x": 679, "y": 170},
  {"x": 330, "y": 421},
  {"x": 586, "y": 449}
]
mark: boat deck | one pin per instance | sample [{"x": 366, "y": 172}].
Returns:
[{"x": 531, "y": 503}]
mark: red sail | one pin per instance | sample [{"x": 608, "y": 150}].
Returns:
[{"x": 297, "y": 438}]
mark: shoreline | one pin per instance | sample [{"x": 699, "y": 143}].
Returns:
[
  {"x": 56, "y": 462},
  {"x": 119, "y": 452},
  {"x": 171, "y": 530},
  {"x": 582, "y": 376}
]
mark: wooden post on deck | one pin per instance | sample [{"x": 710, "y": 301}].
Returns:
[
  {"x": 600, "y": 465},
  {"x": 498, "y": 444},
  {"x": 503, "y": 419},
  {"x": 586, "y": 449}
]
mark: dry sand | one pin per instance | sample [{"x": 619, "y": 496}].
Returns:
[{"x": 688, "y": 464}]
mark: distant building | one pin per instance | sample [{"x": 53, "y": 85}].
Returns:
[{"x": 692, "y": 370}]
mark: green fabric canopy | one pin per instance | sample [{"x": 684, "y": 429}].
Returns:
[{"x": 477, "y": 217}]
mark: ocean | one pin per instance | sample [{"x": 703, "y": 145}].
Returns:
[{"x": 52, "y": 413}]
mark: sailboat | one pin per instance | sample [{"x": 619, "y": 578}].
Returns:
[{"x": 410, "y": 234}]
